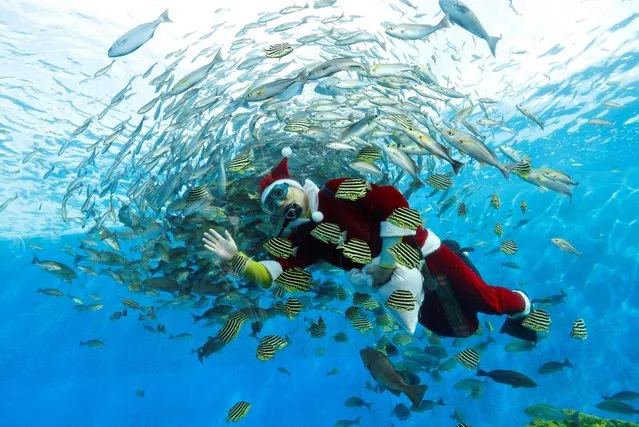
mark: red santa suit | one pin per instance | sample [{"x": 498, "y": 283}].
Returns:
[{"x": 367, "y": 219}]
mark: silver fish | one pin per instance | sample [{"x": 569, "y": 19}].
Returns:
[
  {"x": 461, "y": 15},
  {"x": 135, "y": 38}
]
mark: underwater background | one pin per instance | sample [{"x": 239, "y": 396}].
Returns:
[{"x": 577, "y": 56}]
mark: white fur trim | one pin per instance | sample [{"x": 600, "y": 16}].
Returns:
[
  {"x": 388, "y": 229},
  {"x": 274, "y": 268},
  {"x": 527, "y": 306},
  {"x": 290, "y": 182},
  {"x": 286, "y": 152},
  {"x": 317, "y": 216},
  {"x": 431, "y": 244}
]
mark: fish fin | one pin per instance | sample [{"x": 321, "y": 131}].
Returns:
[
  {"x": 294, "y": 251},
  {"x": 35, "y": 260},
  {"x": 444, "y": 23},
  {"x": 492, "y": 43},
  {"x": 395, "y": 392},
  {"x": 164, "y": 17},
  {"x": 416, "y": 393},
  {"x": 441, "y": 401},
  {"x": 506, "y": 169},
  {"x": 567, "y": 363}
]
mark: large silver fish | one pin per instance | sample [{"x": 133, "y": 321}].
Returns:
[
  {"x": 414, "y": 31},
  {"x": 461, "y": 15},
  {"x": 476, "y": 149},
  {"x": 135, "y": 38}
]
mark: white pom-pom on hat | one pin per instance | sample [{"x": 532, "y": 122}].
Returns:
[
  {"x": 286, "y": 152},
  {"x": 317, "y": 216}
]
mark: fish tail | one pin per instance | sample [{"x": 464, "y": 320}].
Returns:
[
  {"x": 444, "y": 23},
  {"x": 35, "y": 260},
  {"x": 506, "y": 169},
  {"x": 196, "y": 318},
  {"x": 567, "y": 363},
  {"x": 416, "y": 393},
  {"x": 165, "y": 17},
  {"x": 302, "y": 77},
  {"x": 441, "y": 401},
  {"x": 492, "y": 43},
  {"x": 456, "y": 166},
  {"x": 482, "y": 373}
]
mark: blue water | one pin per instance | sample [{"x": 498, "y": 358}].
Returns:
[{"x": 46, "y": 378}]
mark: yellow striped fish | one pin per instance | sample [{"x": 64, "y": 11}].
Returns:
[
  {"x": 352, "y": 189},
  {"x": 362, "y": 324},
  {"x": 131, "y": 304},
  {"x": 462, "y": 210},
  {"x": 200, "y": 192},
  {"x": 439, "y": 181},
  {"x": 403, "y": 121},
  {"x": 495, "y": 201},
  {"x": 292, "y": 308},
  {"x": 469, "y": 358},
  {"x": 238, "y": 263},
  {"x": 280, "y": 247},
  {"x": 538, "y": 320},
  {"x": 278, "y": 291},
  {"x": 523, "y": 206},
  {"x": 268, "y": 346},
  {"x": 298, "y": 125},
  {"x": 238, "y": 411},
  {"x": 241, "y": 161},
  {"x": 365, "y": 300},
  {"x": 386, "y": 322},
  {"x": 402, "y": 339},
  {"x": 328, "y": 232},
  {"x": 352, "y": 312},
  {"x": 357, "y": 251},
  {"x": 509, "y": 247},
  {"x": 522, "y": 168},
  {"x": 579, "y": 331},
  {"x": 369, "y": 154},
  {"x": 295, "y": 280},
  {"x": 405, "y": 255},
  {"x": 279, "y": 50},
  {"x": 498, "y": 230},
  {"x": 401, "y": 300},
  {"x": 405, "y": 218},
  {"x": 230, "y": 330}
]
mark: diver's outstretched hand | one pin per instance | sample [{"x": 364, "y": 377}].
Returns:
[
  {"x": 380, "y": 275},
  {"x": 225, "y": 248}
]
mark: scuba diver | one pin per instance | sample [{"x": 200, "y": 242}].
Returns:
[{"x": 365, "y": 229}]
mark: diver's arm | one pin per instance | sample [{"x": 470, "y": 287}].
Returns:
[{"x": 387, "y": 260}]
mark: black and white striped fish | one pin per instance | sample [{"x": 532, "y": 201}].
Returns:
[
  {"x": 328, "y": 232},
  {"x": 509, "y": 247},
  {"x": 295, "y": 280},
  {"x": 318, "y": 329},
  {"x": 238, "y": 263},
  {"x": 201, "y": 192},
  {"x": 238, "y": 411},
  {"x": 495, "y": 201},
  {"x": 579, "y": 331},
  {"x": 405, "y": 218},
  {"x": 538, "y": 320},
  {"x": 439, "y": 181},
  {"x": 386, "y": 322},
  {"x": 292, "y": 308},
  {"x": 469, "y": 358},
  {"x": 280, "y": 247},
  {"x": 278, "y": 291},
  {"x": 352, "y": 189},
  {"x": 369, "y": 154},
  {"x": 241, "y": 161},
  {"x": 401, "y": 300},
  {"x": 405, "y": 255},
  {"x": 357, "y": 251},
  {"x": 279, "y": 50},
  {"x": 499, "y": 229}
]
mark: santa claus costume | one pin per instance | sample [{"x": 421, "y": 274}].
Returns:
[{"x": 447, "y": 302}]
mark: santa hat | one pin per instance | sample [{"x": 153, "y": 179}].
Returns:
[{"x": 280, "y": 175}]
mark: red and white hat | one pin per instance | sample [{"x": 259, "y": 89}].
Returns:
[{"x": 278, "y": 175}]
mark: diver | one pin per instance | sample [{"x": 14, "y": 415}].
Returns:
[{"x": 358, "y": 226}]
